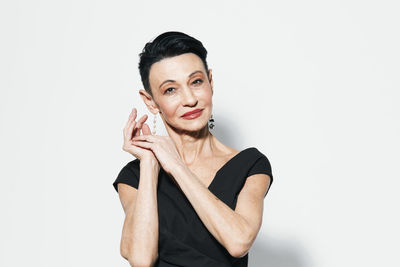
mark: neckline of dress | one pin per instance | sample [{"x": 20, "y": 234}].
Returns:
[{"x": 226, "y": 164}]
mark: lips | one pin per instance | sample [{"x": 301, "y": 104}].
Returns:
[{"x": 192, "y": 112}]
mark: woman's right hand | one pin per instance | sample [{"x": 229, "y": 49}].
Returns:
[{"x": 132, "y": 129}]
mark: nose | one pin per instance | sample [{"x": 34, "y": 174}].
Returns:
[{"x": 188, "y": 97}]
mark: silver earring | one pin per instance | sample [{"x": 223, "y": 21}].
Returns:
[
  {"x": 154, "y": 124},
  {"x": 211, "y": 122}
]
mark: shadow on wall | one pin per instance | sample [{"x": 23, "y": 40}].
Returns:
[{"x": 278, "y": 253}]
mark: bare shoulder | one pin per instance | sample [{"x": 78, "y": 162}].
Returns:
[{"x": 227, "y": 152}]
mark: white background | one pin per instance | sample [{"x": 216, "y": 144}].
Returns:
[{"x": 314, "y": 85}]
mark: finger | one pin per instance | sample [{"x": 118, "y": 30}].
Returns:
[
  {"x": 143, "y": 144},
  {"x": 133, "y": 114},
  {"x": 133, "y": 127},
  {"x": 130, "y": 130},
  {"x": 142, "y": 137},
  {"x": 131, "y": 118},
  {"x": 143, "y": 119},
  {"x": 139, "y": 123},
  {"x": 145, "y": 137},
  {"x": 146, "y": 129}
]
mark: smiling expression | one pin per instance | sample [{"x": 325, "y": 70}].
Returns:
[{"x": 179, "y": 85}]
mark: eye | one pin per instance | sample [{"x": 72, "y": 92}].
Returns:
[
  {"x": 168, "y": 91},
  {"x": 200, "y": 81}
]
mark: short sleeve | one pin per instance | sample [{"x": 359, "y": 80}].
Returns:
[
  {"x": 261, "y": 165},
  {"x": 128, "y": 175}
]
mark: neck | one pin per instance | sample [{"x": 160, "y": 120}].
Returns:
[{"x": 194, "y": 146}]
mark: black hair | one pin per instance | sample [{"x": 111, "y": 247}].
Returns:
[{"x": 165, "y": 45}]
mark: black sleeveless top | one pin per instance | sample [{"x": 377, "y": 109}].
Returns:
[{"x": 183, "y": 238}]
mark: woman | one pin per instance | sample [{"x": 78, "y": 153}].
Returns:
[{"x": 189, "y": 200}]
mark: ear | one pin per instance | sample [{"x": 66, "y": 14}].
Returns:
[
  {"x": 211, "y": 80},
  {"x": 149, "y": 101}
]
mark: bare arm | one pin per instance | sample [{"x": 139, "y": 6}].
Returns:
[
  {"x": 139, "y": 242},
  {"x": 235, "y": 229}
]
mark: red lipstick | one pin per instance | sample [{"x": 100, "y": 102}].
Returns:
[{"x": 192, "y": 114}]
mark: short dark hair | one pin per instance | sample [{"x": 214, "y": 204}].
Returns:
[{"x": 165, "y": 45}]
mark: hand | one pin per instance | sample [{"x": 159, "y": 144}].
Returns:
[
  {"x": 164, "y": 149},
  {"x": 132, "y": 129}
]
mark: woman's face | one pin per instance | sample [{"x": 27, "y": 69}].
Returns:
[{"x": 180, "y": 84}]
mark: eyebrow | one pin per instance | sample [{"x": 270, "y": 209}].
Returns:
[{"x": 190, "y": 75}]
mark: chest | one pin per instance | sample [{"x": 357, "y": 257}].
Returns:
[{"x": 207, "y": 171}]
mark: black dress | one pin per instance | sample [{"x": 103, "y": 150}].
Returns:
[{"x": 183, "y": 238}]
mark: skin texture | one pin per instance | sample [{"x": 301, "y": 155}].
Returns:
[{"x": 192, "y": 156}]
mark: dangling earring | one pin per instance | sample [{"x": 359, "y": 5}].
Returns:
[
  {"x": 211, "y": 122},
  {"x": 154, "y": 124}
]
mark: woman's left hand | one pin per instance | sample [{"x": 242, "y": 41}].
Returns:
[{"x": 163, "y": 148}]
